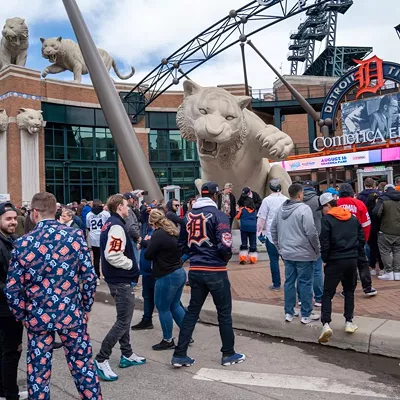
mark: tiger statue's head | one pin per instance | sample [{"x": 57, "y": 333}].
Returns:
[
  {"x": 15, "y": 32},
  {"x": 51, "y": 48},
  {"x": 3, "y": 120},
  {"x": 30, "y": 120},
  {"x": 214, "y": 119}
]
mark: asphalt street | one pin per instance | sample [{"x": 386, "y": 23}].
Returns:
[{"x": 274, "y": 369}]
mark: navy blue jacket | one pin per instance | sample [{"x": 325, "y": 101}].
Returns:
[
  {"x": 118, "y": 261},
  {"x": 363, "y": 196},
  {"x": 145, "y": 265},
  {"x": 207, "y": 238},
  {"x": 248, "y": 219}
]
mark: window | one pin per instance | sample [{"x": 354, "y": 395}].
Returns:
[
  {"x": 81, "y": 162},
  {"x": 168, "y": 145}
]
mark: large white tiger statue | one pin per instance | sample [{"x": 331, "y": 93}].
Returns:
[
  {"x": 14, "y": 43},
  {"x": 3, "y": 120},
  {"x": 30, "y": 120},
  {"x": 233, "y": 143},
  {"x": 66, "y": 55}
]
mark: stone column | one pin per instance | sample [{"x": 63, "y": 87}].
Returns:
[
  {"x": 29, "y": 165},
  {"x": 3, "y": 163}
]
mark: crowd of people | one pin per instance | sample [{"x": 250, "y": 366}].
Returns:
[{"x": 48, "y": 276}]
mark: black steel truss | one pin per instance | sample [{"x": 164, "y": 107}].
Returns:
[
  {"x": 321, "y": 23},
  {"x": 397, "y": 28},
  {"x": 237, "y": 27}
]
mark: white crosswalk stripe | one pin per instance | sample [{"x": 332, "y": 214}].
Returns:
[{"x": 294, "y": 382}]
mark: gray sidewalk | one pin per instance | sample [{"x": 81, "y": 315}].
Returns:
[{"x": 374, "y": 335}]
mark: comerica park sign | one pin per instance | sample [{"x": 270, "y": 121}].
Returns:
[
  {"x": 369, "y": 137},
  {"x": 368, "y": 121}
]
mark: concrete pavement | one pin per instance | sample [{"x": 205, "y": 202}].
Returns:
[
  {"x": 274, "y": 369},
  {"x": 374, "y": 336}
]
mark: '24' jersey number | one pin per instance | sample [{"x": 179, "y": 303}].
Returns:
[{"x": 96, "y": 224}]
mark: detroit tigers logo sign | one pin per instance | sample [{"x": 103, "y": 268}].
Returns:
[{"x": 197, "y": 229}]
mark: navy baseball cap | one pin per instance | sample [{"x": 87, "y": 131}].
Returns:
[
  {"x": 209, "y": 188},
  {"x": 246, "y": 190},
  {"x": 6, "y": 206}
]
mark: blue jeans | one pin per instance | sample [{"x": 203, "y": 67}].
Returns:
[
  {"x": 318, "y": 281},
  {"x": 202, "y": 283},
  {"x": 318, "y": 284},
  {"x": 167, "y": 297},
  {"x": 144, "y": 229},
  {"x": 274, "y": 263},
  {"x": 148, "y": 284},
  {"x": 135, "y": 252},
  {"x": 302, "y": 272},
  {"x": 252, "y": 237}
]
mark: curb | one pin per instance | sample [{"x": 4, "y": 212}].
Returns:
[{"x": 374, "y": 335}]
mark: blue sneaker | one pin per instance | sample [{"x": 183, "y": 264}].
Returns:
[
  {"x": 182, "y": 361},
  {"x": 131, "y": 361},
  {"x": 236, "y": 358}
]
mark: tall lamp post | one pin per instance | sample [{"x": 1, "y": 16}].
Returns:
[{"x": 136, "y": 165}]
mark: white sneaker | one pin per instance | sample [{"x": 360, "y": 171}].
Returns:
[
  {"x": 104, "y": 371},
  {"x": 373, "y": 272},
  {"x": 288, "y": 317},
  {"x": 326, "y": 334},
  {"x": 23, "y": 395},
  {"x": 381, "y": 272},
  {"x": 318, "y": 304},
  {"x": 397, "y": 276},
  {"x": 350, "y": 327},
  {"x": 311, "y": 318},
  {"x": 388, "y": 276}
]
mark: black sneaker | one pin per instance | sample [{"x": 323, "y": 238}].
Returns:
[
  {"x": 164, "y": 345},
  {"x": 371, "y": 292},
  {"x": 143, "y": 324}
]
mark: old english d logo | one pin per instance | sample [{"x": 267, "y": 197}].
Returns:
[
  {"x": 197, "y": 230},
  {"x": 369, "y": 70}
]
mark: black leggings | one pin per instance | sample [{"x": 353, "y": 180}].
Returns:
[{"x": 96, "y": 260}]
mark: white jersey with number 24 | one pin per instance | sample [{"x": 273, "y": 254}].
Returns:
[{"x": 94, "y": 222}]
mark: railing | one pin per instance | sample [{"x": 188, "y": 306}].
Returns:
[{"x": 309, "y": 92}]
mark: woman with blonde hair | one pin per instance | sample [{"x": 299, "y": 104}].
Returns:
[{"x": 162, "y": 249}]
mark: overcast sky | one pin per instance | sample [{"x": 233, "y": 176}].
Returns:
[{"x": 142, "y": 32}]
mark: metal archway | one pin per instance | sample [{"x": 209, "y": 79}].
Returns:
[{"x": 211, "y": 42}]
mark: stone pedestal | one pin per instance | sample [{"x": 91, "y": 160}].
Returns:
[
  {"x": 262, "y": 252},
  {"x": 29, "y": 165}
]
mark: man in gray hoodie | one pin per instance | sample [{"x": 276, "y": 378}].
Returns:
[
  {"x": 311, "y": 199},
  {"x": 294, "y": 234}
]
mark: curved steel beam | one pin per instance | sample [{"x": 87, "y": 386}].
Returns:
[{"x": 214, "y": 41}]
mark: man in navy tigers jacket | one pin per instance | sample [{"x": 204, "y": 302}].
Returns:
[{"x": 207, "y": 240}]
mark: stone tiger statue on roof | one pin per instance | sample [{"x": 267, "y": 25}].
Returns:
[
  {"x": 66, "y": 55},
  {"x": 233, "y": 143},
  {"x": 14, "y": 43}
]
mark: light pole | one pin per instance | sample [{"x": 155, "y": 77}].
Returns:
[{"x": 136, "y": 165}]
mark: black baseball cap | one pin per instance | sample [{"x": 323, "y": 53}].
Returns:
[
  {"x": 209, "y": 188},
  {"x": 129, "y": 195},
  {"x": 6, "y": 206},
  {"x": 308, "y": 184},
  {"x": 246, "y": 190}
]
